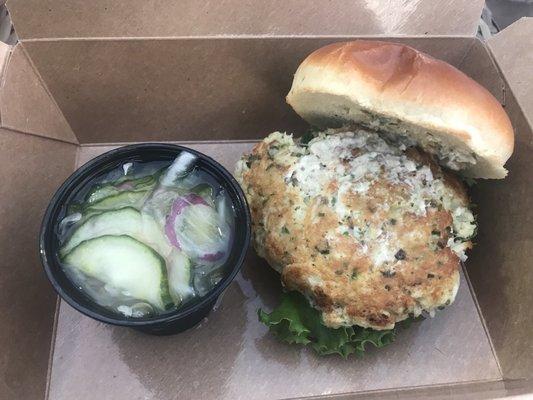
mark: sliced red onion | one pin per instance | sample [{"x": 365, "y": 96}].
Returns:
[
  {"x": 125, "y": 186},
  {"x": 196, "y": 228}
]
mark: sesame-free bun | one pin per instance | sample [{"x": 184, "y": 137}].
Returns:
[{"x": 396, "y": 89}]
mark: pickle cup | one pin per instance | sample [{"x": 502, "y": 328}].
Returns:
[{"x": 171, "y": 322}]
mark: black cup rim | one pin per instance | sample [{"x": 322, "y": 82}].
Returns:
[{"x": 47, "y": 259}]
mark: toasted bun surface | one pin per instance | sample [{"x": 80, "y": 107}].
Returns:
[{"x": 397, "y": 89}]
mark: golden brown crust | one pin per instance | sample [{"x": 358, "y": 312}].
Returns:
[
  {"x": 299, "y": 236},
  {"x": 353, "y": 282},
  {"x": 397, "y": 81}
]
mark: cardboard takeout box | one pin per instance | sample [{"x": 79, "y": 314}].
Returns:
[{"x": 90, "y": 76}]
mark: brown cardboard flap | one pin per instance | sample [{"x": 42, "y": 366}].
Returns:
[
  {"x": 160, "y": 18},
  {"x": 513, "y": 50},
  {"x": 192, "y": 89},
  {"x": 31, "y": 168},
  {"x": 500, "y": 269},
  {"x": 502, "y": 277},
  {"x": 481, "y": 66},
  {"x": 25, "y": 104}
]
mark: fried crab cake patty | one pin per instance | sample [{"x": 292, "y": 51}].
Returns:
[{"x": 370, "y": 233}]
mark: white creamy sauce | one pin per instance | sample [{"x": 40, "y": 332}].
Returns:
[
  {"x": 450, "y": 155},
  {"x": 314, "y": 281},
  {"x": 382, "y": 253},
  {"x": 354, "y": 161}
]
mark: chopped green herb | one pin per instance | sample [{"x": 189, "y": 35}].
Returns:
[
  {"x": 388, "y": 273},
  {"x": 285, "y": 230},
  {"x": 251, "y": 159},
  {"x": 321, "y": 214},
  {"x": 469, "y": 181},
  {"x": 400, "y": 254},
  {"x": 293, "y": 179},
  {"x": 307, "y": 137}
]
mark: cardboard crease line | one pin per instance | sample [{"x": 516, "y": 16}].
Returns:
[{"x": 48, "y": 93}]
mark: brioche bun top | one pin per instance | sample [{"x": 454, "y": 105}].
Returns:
[{"x": 398, "y": 90}]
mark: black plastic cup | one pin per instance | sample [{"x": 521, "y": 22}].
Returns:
[{"x": 169, "y": 323}]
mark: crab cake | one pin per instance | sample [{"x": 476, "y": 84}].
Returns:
[
  {"x": 367, "y": 220},
  {"x": 370, "y": 231}
]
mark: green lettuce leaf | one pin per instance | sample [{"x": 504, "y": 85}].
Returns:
[{"x": 295, "y": 321}]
